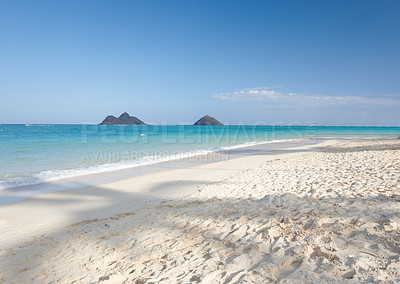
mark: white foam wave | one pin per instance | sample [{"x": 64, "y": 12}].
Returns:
[{"x": 53, "y": 175}]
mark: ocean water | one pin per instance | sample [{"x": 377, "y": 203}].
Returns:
[{"x": 32, "y": 154}]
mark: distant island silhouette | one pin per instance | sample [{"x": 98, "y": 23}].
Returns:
[
  {"x": 123, "y": 119},
  {"x": 126, "y": 119},
  {"x": 207, "y": 120}
]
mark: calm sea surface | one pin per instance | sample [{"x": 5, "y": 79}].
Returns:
[{"x": 32, "y": 154}]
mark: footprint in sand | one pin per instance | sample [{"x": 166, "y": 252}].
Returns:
[{"x": 287, "y": 268}]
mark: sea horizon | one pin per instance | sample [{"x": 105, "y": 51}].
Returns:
[{"x": 227, "y": 124}]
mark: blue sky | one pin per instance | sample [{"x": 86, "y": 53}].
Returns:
[{"x": 319, "y": 62}]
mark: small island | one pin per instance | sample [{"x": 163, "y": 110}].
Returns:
[
  {"x": 123, "y": 119},
  {"x": 208, "y": 120}
]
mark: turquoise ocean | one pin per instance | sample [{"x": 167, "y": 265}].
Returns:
[{"x": 33, "y": 154}]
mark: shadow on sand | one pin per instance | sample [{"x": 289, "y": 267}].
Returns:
[{"x": 138, "y": 239}]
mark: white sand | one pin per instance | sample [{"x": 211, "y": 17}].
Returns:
[{"x": 328, "y": 216}]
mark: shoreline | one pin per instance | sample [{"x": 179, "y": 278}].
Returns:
[
  {"x": 83, "y": 157},
  {"x": 23, "y": 192},
  {"x": 114, "y": 174},
  {"x": 141, "y": 162},
  {"x": 98, "y": 191}
]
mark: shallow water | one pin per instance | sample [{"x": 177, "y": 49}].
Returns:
[{"x": 32, "y": 154}]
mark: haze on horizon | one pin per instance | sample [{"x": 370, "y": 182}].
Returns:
[{"x": 171, "y": 62}]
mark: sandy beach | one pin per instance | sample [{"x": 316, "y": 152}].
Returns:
[{"x": 323, "y": 213}]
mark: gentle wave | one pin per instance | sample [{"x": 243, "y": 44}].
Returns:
[{"x": 53, "y": 175}]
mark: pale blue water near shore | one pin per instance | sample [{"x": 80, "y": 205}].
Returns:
[{"x": 32, "y": 154}]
